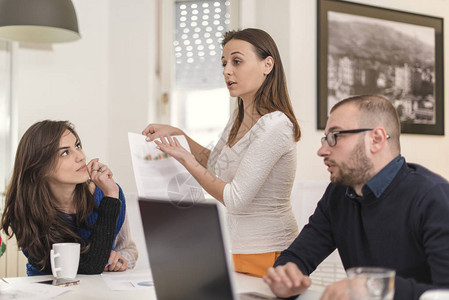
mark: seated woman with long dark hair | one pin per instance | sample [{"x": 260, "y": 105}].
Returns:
[{"x": 56, "y": 196}]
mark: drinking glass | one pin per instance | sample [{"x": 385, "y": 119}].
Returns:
[{"x": 367, "y": 283}]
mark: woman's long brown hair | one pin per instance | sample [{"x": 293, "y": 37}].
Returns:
[
  {"x": 272, "y": 94},
  {"x": 30, "y": 208}
]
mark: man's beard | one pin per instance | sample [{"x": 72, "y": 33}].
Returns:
[{"x": 355, "y": 172}]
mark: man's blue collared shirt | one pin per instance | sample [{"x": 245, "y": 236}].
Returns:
[{"x": 380, "y": 181}]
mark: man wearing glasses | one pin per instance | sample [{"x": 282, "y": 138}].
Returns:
[{"x": 378, "y": 210}]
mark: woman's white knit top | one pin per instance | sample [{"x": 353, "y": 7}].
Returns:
[{"x": 259, "y": 170}]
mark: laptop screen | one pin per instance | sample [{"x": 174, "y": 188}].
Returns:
[{"x": 186, "y": 250}]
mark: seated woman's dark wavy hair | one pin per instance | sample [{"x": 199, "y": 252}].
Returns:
[{"x": 31, "y": 212}]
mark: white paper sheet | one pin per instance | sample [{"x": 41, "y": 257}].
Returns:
[
  {"x": 30, "y": 291},
  {"x": 127, "y": 281},
  {"x": 159, "y": 176}
]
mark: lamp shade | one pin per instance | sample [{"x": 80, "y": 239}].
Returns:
[{"x": 38, "y": 21}]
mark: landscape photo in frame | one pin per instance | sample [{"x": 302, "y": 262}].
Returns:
[{"x": 370, "y": 50}]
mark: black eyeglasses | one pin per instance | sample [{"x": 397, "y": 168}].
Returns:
[{"x": 331, "y": 137}]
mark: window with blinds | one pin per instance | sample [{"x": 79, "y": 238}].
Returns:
[
  {"x": 200, "y": 102},
  {"x": 200, "y": 26}
]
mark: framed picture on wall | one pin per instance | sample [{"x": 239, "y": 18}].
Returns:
[{"x": 371, "y": 50}]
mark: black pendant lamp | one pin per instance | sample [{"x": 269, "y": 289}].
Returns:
[{"x": 38, "y": 21}]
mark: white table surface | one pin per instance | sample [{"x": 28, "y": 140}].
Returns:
[{"x": 93, "y": 287}]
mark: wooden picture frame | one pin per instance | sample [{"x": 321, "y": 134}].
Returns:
[{"x": 371, "y": 50}]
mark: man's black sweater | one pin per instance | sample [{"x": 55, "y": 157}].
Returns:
[{"x": 405, "y": 229}]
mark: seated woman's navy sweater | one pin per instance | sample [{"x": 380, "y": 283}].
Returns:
[{"x": 106, "y": 222}]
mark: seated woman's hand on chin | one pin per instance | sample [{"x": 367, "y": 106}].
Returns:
[{"x": 101, "y": 175}]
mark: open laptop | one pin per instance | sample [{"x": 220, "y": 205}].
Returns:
[{"x": 187, "y": 251}]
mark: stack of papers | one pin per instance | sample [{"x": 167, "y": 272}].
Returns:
[{"x": 20, "y": 289}]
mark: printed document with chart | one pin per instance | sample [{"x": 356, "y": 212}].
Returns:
[{"x": 160, "y": 176}]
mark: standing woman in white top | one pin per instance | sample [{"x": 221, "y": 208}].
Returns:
[{"x": 252, "y": 168}]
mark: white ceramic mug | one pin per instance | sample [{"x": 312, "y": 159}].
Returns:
[
  {"x": 64, "y": 259},
  {"x": 439, "y": 294}
]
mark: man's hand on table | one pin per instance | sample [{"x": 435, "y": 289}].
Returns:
[
  {"x": 287, "y": 280},
  {"x": 336, "y": 291}
]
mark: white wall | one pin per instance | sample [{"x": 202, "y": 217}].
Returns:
[
  {"x": 430, "y": 151},
  {"x": 104, "y": 82},
  {"x": 132, "y": 61},
  {"x": 297, "y": 44},
  {"x": 69, "y": 81}
]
